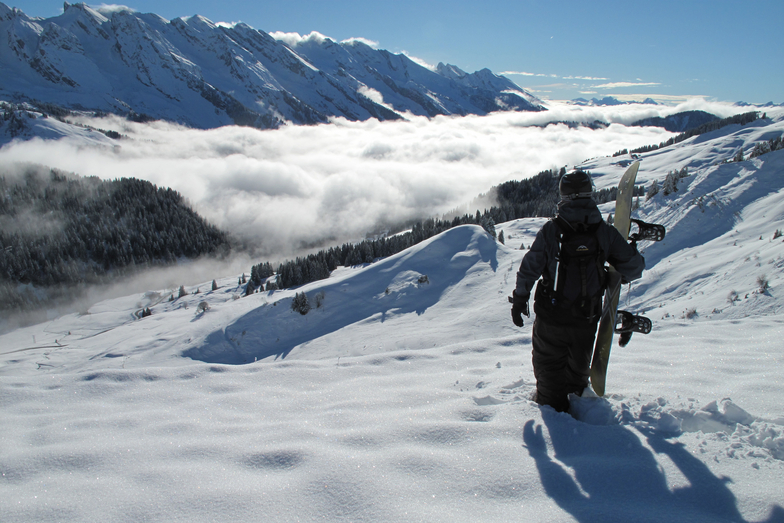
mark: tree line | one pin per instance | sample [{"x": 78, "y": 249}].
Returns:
[
  {"x": 536, "y": 196},
  {"x": 739, "y": 119},
  {"x": 774, "y": 144}
]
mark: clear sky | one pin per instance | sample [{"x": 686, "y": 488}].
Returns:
[{"x": 727, "y": 50}]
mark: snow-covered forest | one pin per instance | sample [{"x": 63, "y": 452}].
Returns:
[{"x": 61, "y": 233}]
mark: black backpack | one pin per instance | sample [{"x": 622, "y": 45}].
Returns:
[{"x": 580, "y": 277}]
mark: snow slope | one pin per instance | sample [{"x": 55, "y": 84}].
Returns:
[{"x": 405, "y": 396}]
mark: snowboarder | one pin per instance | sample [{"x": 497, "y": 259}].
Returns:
[{"x": 569, "y": 254}]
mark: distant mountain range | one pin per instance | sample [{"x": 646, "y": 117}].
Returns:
[
  {"x": 205, "y": 75},
  {"x": 768, "y": 104},
  {"x": 609, "y": 100}
]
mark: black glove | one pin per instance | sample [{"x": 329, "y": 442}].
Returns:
[{"x": 519, "y": 307}]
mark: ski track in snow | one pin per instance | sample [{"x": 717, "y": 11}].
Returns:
[{"x": 401, "y": 399}]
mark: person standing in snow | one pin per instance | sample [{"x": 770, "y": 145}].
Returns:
[{"x": 569, "y": 251}]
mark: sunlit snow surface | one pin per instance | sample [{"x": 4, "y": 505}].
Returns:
[{"x": 402, "y": 398}]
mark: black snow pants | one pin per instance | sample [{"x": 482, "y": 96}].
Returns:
[{"x": 561, "y": 360}]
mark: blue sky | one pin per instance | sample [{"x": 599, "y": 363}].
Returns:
[{"x": 727, "y": 50}]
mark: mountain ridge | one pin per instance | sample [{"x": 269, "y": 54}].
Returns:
[{"x": 193, "y": 71}]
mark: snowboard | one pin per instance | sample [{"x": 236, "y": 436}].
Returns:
[{"x": 604, "y": 335}]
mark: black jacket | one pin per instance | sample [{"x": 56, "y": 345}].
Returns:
[{"x": 540, "y": 260}]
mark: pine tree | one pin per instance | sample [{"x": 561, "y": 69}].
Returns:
[
  {"x": 653, "y": 190},
  {"x": 300, "y": 303},
  {"x": 488, "y": 224},
  {"x": 670, "y": 184}
]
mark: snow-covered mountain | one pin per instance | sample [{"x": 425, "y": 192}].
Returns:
[
  {"x": 202, "y": 74},
  {"x": 404, "y": 393}
]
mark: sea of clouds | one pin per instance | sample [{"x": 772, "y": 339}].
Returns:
[
  {"x": 287, "y": 192},
  {"x": 284, "y": 191}
]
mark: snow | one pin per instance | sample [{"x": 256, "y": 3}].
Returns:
[
  {"x": 44, "y": 129},
  {"x": 405, "y": 398}
]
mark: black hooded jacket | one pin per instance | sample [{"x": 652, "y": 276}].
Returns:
[{"x": 540, "y": 260}]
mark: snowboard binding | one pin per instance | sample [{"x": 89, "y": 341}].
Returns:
[
  {"x": 647, "y": 231},
  {"x": 627, "y": 323}
]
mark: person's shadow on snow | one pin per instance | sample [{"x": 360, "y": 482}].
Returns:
[{"x": 621, "y": 480}]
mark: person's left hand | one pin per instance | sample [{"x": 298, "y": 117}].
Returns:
[{"x": 519, "y": 307}]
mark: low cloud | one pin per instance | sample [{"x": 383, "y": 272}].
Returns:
[
  {"x": 583, "y": 78},
  {"x": 295, "y": 39},
  {"x": 418, "y": 61},
  {"x": 609, "y": 85},
  {"x": 109, "y": 9},
  {"x": 524, "y": 73},
  {"x": 283, "y": 191},
  {"x": 614, "y": 85},
  {"x": 31, "y": 224},
  {"x": 193, "y": 274},
  {"x": 375, "y": 96},
  {"x": 228, "y": 25},
  {"x": 542, "y": 75},
  {"x": 351, "y": 41}
]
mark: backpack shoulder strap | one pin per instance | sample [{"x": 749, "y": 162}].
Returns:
[
  {"x": 593, "y": 227},
  {"x": 563, "y": 227}
]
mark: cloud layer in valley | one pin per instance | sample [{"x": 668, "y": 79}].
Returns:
[{"x": 284, "y": 190}]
